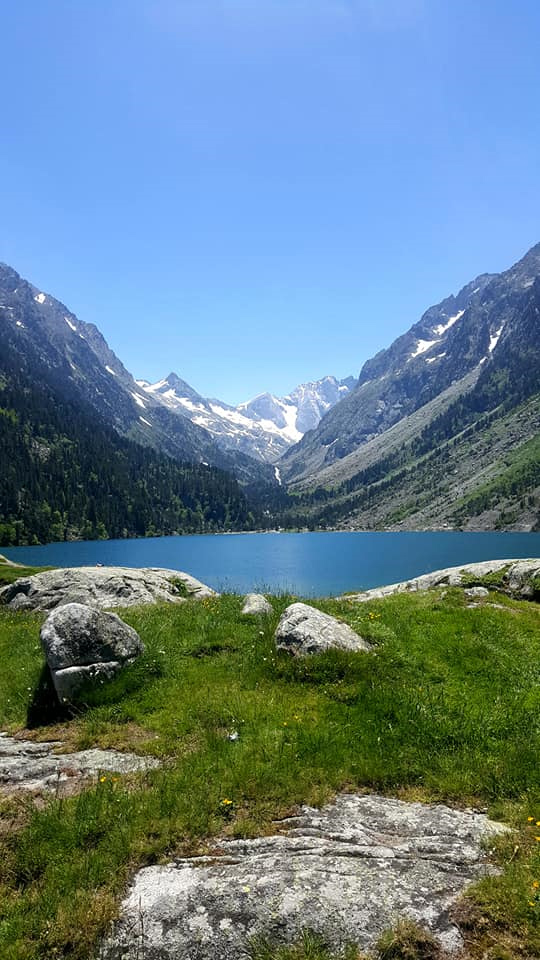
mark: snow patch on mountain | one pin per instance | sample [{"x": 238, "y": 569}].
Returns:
[
  {"x": 263, "y": 427},
  {"x": 438, "y": 356},
  {"x": 494, "y": 339},
  {"x": 422, "y": 346},
  {"x": 170, "y": 395},
  {"x": 443, "y": 327}
]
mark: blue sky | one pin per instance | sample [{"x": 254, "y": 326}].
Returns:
[{"x": 255, "y": 193}]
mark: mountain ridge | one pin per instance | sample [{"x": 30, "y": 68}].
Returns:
[
  {"x": 439, "y": 431},
  {"x": 434, "y": 417},
  {"x": 263, "y": 427},
  {"x": 98, "y": 377}
]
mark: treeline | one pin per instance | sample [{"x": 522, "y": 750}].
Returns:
[{"x": 67, "y": 475}]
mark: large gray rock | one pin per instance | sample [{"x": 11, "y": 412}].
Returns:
[
  {"x": 476, "y": 593},
  {"x": 304, "y": 630},
  {"x": 517, "y": 579},
  {"x": 102, "y": 587},
  {"x": 26, "y": 765},
  {"x": 83, "y": 644},
  {"x": 348, "y": 872},
  {"x": 255, "y": 605}
]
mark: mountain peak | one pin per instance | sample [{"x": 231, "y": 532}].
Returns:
[
  {"x": 454, "y": 344},
  {"x": 263, "y": 427}
]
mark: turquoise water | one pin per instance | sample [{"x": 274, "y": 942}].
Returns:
[{"x": 306, "y": 564}]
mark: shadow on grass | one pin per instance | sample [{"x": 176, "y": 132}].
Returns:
[{"x": 45, "y": 708}]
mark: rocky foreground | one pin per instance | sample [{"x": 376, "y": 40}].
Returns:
[
  {"x": 516, "y": 578},
  {"x": 346, "y": 871},
  {"x": 43, "y": 767},
  {"x": 102, "y": 587}
]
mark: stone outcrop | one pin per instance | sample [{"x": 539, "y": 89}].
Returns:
[
  {"x": 26, "y": 765},
  {"x": 84, "y": 645},
  {"x": 255, "y": 605},
  {"x": 348, "y": 872},
  {"x": 304, "y": 630},
  {"x": 476, "y": 593},
  {"x": 516, "y": 578},
  {"x": 102, "y": 587}
]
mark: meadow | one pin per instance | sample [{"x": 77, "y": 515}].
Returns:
[{"x": 445, "y": 708}]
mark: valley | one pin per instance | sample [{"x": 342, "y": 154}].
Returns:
[{"x": 439, "y": 431}]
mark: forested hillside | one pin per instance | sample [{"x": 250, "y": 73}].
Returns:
[{"x": 66, "y": 474}]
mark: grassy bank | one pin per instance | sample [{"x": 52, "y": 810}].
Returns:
[
  {"x": 446, "y": 707},
  {"x": 11, "y": 572}
]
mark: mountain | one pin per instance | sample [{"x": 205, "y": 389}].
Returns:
[
  {"x": 442, "y": 428},
  {"x": 262, "y": 428},
  {"x": 77, "y": 351},
  {"x": 67, "y": 474}
]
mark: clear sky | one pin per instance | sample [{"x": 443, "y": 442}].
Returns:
[{"x": 256, "y": 193}]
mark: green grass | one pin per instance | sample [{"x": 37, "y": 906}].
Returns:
[
  {"x": 492, "y": 580},
  {"x": 447, "y": 706},
  {"x": 520, "y": 474},
  {"x": 9, "y": 574},
  {"x": 309, "y": 947}
]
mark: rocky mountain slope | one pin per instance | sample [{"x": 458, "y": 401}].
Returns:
[
  {"x": 85, "y": 454},
  {"x": 442, "y": 429},
  {"x": 67, "y": 474},
  {"x": 34, "y": 323},
  {"x": 263, "y": 428}
]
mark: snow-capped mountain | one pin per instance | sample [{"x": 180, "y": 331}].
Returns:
[
  {"x": 263, "y": 427},
  {"x": 482, "y": 342},
  {"x": 36, "y": 324}
]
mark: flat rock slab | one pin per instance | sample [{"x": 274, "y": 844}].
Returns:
[
  {"x": 516, "y": 581},
  {"x": 347, "y": 871},
  {"x": 303, "y": 631},
  {"x": 102, "y": 587},
  {"x": 27, "y": 765}
]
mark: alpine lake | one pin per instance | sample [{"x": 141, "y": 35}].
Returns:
[{"x": 303, "y": 564}]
